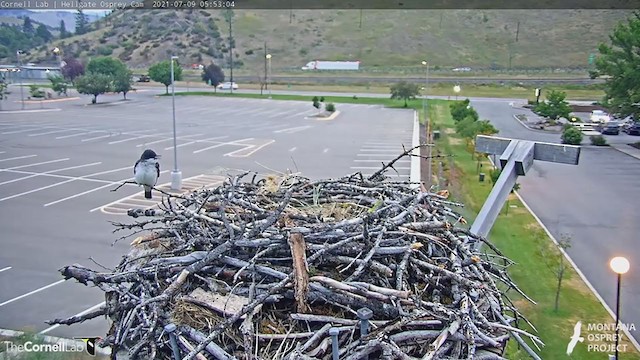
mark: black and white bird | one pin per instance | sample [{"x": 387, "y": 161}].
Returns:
[{"x": 146, "y": 171}]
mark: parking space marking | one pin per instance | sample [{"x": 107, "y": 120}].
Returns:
[
  {"x": 92, "y": 190},
  {"x": 78, "y": 134},
  {"x": 51, "y": 132},
  {"x": 34, "y": 164},
  {"x": 18, "y": 158},
  {"x": 300, "y": 114},
  {"x": 378, "y": 167},
  {"x": 84, "y": 312},
  {"x": 99, "y": 137},
  {"x": 370, "y": 155},
  {"x": 115, "y": 207},
  {"x": 279, "y": 114},
  {"x": 293, "y": 149},
  {"x": 21, "y": 131},
  {"x": 293, "y": 129},
  {"x": 85, "y": 178},
  {"x": 138, "y": 137},
  {"x": 196, "y": 141},
  {"x": 398, "y": 161},
  {"x": 250, "y": 149},
  {"x": 5, "y": 269},
  {"x": 31, "y": 292},
  {"x": 235, "y": 142},
  {"x": 48, "y": 172},
  {"x": 325, "y": 150},
  {"x": 395, "y": 151}
]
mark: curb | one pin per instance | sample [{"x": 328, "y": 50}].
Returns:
[
  {"x": 623, "y": 149},
  {"x": 536, "y": 130},
  {"x": 632, "y": 340},
  {"x": 48, "y": 101},
  {"x": 27, "y": 111},
  {"x": 331, "y": 117}
]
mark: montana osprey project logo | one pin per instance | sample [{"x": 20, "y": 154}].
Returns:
[{"x": 575, "y": 338}]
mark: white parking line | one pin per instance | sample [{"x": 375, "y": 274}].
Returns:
[
  {"x": 65, "y": 182},
  {"x": 100, "y": 137},
  {"x": 154, "y": 142},
  {"x": 95, "y": 307},
  {"x": 196, "y": 141},
  {"x": 397, "y": 150},
  {"x": 381, "y": 155},
  {"x": 293, "y": 129},
  {"x": 293, "y": 149},
  {"x": 325, "y": 150},
  {"x": 5, "y": 269},
  {"x": 18, "y": 158},
  {"x": 386, "y": 160},
  {"x": 20, "y": 131},
  {"x": 49, "y": 172},
  {"x": 51, "y": 132},
  {"x": 137, "y": 137},
  {"x": 78, "y": 134},
  {"x": 378, "y": 167},
  {"x": 233, "y": 153},
  {"x": 31, "y": 293},
  {"x": 34, "y": 164},
  {"x": 235, "y": 142},
  {"x": 92, "y": 190}
]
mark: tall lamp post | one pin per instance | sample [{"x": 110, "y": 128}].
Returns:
[
  {"x": 619, "y": 265},
  {"x": 426, "y": 116},
  {"x": 18, "y": 53},
  {"x": 176, "y": 175},
  {"x": 457, "y": 89},
  {"x": 269, "y": 73}
]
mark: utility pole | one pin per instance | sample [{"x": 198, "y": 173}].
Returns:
[
  {"x": 229, "y": 16},
  {"x": 360, "y": 25},
  {"x": 517, "y": 30},
  {"x": 20, "y": 70},
  {"x": 266, "y": 86}
]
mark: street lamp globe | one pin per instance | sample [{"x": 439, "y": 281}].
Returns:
[
  {"x": 56, "y": 50},
  {"x": 457, "y": 88},
  {"x": 619, "y": 265},
  {"x": 268, "y": 56},
  {"x": 424, "y": 62}
]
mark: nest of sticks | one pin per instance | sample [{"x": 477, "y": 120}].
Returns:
[{"x": 283, "y": 267}]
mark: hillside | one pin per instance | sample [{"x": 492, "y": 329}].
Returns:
[
  {"x": 380, "y": 38},
  {"x": 49, "y": 18}
]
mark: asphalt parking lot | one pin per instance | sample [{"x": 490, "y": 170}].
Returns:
[{"x": 58, "y": 162}]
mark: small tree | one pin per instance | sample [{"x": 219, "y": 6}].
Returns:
[
  {"x": 572, "y": 136},
  {"x": 330, "y": 107},
  {"x": 555, "y": 261},
  {"x": 106, "y": 65},
  {"x": 93, "y": 84},
  {"x": 3, "y": 92},
  {"x": 72, "y": 69},
  {"x": 461, "y": 110},
  {"x": 122, "y": 82},
  {"x": 35, "y": 91},
  {"x": 161, "y": 72},
  {"x": 555, "y": 107},
  {"x": 62, "y": 29},
  {"x": 598, "y": 140},
  {"x": 405, "y": 91},
  {"x": 59, "y": 84},
  {"x": 213, "y": 75}
]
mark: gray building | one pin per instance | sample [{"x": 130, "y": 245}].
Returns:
[{"x": 29, "y": 73}]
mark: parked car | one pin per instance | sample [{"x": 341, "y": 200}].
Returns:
[
  {"x": 633, "y": 129},
  {"x": 610, "y": 128},
  {"x": 227, "y": 86},
  {"x": 141, "y": 78}
]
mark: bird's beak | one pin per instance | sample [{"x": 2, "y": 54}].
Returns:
[{"x": 158, "y": 156}]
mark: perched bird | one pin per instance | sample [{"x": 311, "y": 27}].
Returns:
[{"x": 146, "y": 171}]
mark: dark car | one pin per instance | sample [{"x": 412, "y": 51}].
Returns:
[
  {"x": 633, "y": 129},
  {"x": 610, "y": 128},
  {"x": 141, "y": 78}
]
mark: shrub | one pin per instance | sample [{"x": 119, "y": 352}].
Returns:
[
  {"x": 330, "y": 107},
  {"x": 598, "y": 140},
  {"x": 572, "y": 136},
  {"x": 321, "y": 98},
  {"x": 35, "y": 91}
]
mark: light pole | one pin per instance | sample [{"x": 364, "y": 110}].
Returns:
[
  {"x": 269, "y": 73},
  {"x": 18, "y": 53},
  {"x": 176, "y": 175},
  {"x": 619, "y": 265},
  {"x": 426, "y": 116},
  {"x": 457, "y": 89}
]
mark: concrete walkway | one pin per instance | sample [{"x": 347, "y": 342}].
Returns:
[{"x": 627, "y": 149}]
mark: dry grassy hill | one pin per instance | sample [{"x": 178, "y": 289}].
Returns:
[{"x": 381, "y": 38}]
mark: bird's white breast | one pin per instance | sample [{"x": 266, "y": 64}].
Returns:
[{"x": 146, "y": 173}]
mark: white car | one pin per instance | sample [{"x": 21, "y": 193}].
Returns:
[{"x": 227, "y": 86}]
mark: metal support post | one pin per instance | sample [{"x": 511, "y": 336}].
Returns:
[
  {"x": 335, "y": 351},
  {"x": 171, "y": 329},
  {"x": 516, "y": 158}
]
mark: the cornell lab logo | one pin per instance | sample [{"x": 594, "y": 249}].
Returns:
[{"x": 90, "y": 344}]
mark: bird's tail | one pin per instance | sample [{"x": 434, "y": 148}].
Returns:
[{"x": 147, "y": 192}]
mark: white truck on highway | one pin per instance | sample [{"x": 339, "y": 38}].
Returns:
[{"x": 332, "y": 65}]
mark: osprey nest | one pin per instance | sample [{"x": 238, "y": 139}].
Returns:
[{"x": 290, "y": 268}]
